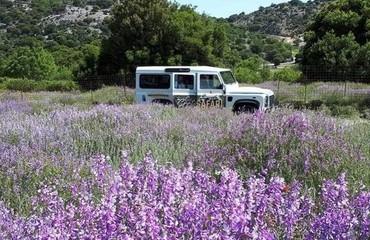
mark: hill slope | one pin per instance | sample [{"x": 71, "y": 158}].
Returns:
[{"x": 285, "y": 19}]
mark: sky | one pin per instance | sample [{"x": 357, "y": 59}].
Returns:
[{"x": 226, "y": 8}]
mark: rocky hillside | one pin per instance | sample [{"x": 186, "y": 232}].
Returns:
[
  {"x": 285, "y": 19},
  {"x": 64, "y": 22}
]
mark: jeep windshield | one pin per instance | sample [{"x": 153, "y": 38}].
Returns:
[{"x": 228, "y": 77}]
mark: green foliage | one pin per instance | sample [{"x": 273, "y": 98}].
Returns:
[
  {"x": 21, "y": 85},
  {"x": 65, "y": 56},
  {"x": 112, "y": 95},
  {"x": 62, "y": 74},
  {"x": 344, "y": 111},
  {"x": 251, "y": 71},
  {"x": 57, "y": 86},
  {"x": 287, "y": 74},
  {"x": 333, "y": 50},
  {"x": 246, "y": 75},
  {"x": 89, "y": 61},
  {"x": 154, "y": 33},
  {"x": 162, "y": 34},
  {"x": 141, "y": 34},
  {"x": 339, "y": 35},
  {"x": 30, "y": 63},
  {"x": 26, "y": 85},
  {"x": 277, "y": 51}
]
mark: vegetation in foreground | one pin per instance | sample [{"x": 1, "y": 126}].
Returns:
[{"x": 138, "y": 171}]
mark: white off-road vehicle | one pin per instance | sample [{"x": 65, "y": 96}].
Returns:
[{"x": 199, "y": 86}]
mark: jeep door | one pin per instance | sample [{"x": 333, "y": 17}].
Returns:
[
  {"x": 184, "y": 90},
  {"x": 210, "y": 91}
]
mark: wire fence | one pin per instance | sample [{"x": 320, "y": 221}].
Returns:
[
  {"x": 99, "y": 81},
  {"x": 359, "y": 74},
  {"x": 317, "y": 83},
  {"x": 306, "y": 92}
]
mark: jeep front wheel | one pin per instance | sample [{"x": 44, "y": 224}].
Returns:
[{"x": 245, "y": 108}]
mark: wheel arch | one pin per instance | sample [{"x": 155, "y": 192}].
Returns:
[
  {"x": 163, "y": 101},
  {"x": 252, "y": 102}
]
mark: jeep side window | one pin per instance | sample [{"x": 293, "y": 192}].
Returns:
[
  {"x": 151, "y": 81},
  {"x": 210, "y": 81},
  {"x": 184, "y": 81}
]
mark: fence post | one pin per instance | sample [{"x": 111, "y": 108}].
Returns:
[
  {"x": 278, "y": 88},
  {"x": 305, "y": 92},
  {"x": 90, "y": 89},
  {"x": 305, "y": 81},
  {"x": 124, "y": 84}
]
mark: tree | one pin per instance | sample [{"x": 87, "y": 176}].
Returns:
[
  {"x": 287, "y": 74},
  {"x": 338, "y": 34},
  {"x": 29, "y": 63},
  {"x": 278, "y": 58},
  {"x": 251, "y": 71},
  {"x": 141, "y": 33},
  {"x": 155, "y": 32},
  {"x": 198, "y": 40},
  {"x": 88, "y": 64}
]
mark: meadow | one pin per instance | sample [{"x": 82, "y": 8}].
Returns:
[{"x": 94, "y": 166}]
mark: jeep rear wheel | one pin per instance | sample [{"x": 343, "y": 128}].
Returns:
[{"x": 162, "y": 101}]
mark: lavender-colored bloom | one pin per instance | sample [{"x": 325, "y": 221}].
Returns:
[
  {"x": 152, "y": 201},
  {"x": 71, "y": 173}
]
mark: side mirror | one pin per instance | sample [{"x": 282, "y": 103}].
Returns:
[{"x": 223, "y": 88}]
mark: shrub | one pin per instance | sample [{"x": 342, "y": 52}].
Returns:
[
  {"x": 344, "y": 111},
  {"x": 26, "y": 85},
  {"x": 54, "y": 86},
  {"x": 63, "y": 74},
  {"x": 23, "y": 85},
  {"x": 246, "y": 75},
  {"x": 364, "y": 107},
  {"x": 315, "y": 104},
  {"x": 287, "y": 75}
]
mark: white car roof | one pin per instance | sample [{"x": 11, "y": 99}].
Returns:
[{"x": 191, "y": 68}]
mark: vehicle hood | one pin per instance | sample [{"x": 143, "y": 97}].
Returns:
[{"x": 235, "y": 89}]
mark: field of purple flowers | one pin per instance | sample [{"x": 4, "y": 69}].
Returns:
[{"x": 157, "y": 172}]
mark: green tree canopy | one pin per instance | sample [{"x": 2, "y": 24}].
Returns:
[
  {"x": 156, "y": 32},
  {"x": 89, "y": 60},
  {"x": 29, "y": 63},
  {"x": 141, "y": 33},
  {"x": 339, "y": 35}
]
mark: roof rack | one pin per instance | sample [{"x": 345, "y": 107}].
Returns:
[{"x": 177, "y": 69}]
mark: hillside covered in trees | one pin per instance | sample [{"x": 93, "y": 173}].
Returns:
[
  {"x": 284, "y": 19},
  {"x": 70, "y": 38}
]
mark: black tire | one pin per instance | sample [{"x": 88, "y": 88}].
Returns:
[
  {"x": 245, "y": 108},
  {"x": 162, "y": 101}
]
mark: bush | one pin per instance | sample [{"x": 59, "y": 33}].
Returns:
[
  {"x": 26, "y": 85},
  {"x": 344, "y": 111},
  {"x": 287, "y": 75},
  {"x": 61, "y": 86},
  {"x": 245, "y": 75},
  {"x": 18, "y": 84},
  {"x": 296, "y": 104},
  {"x": 315, "y": 104},
  {"x": 63, "y": 74},
  {"x": 364, "y": 107}
]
